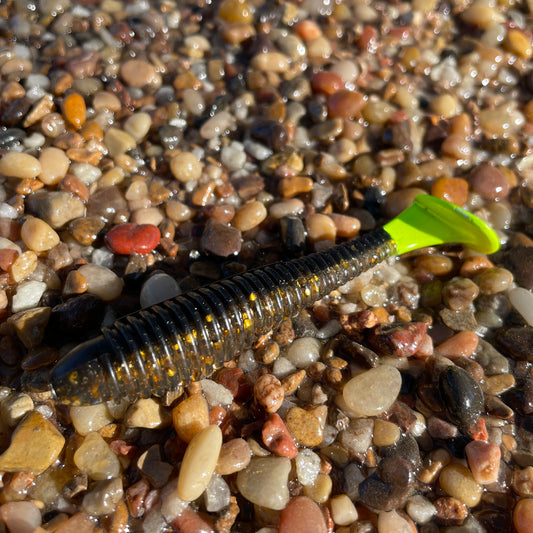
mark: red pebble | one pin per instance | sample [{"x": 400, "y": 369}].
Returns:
[
  {"x": 326, "y": 83},
  {"x": 478, "y": 430},
  {"x": 130, "y": 238},
  {"x": 217, "y": 415},
  {"x": 236, "y": 382},
  {"x": 368, "y": 39},
  {"x": 277, "y": 438},
  {"x": 192, "y": 522},
  {"x": 302, "y": 515}
]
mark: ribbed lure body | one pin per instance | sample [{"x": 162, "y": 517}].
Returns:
[{"x": 187, "y": 337}]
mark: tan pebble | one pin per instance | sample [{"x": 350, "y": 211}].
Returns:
[
  {"x": 346, "y": 226},
  {"x": 234, "y": 456},
  {"x": 199, "y": 463},
  {"x": 481, "y": 14},
  {"x": 523, "y": 515},
  {"x": 203, "y": 194},
  {"x": 436, "y": 264},
  {"x": 320, "y": 228},
  {"x": 320, "y": 489},
  {"x": 39, "y": 110},
  {"x": 271, "y": 62},
  {"x": 146, "y": 413},
  {"x": 522, "y": 481},
  {"x": 178, "y": 211},
  {"x": 106, "y": 101},
  {"x": 385, "y": 433},
  {"x": 23, "y": 266},
  {"x": 19, "y": 165},
  {"x": 401, "y": 199},
  {"x": 343, "y": 510},
  {"x": 14, "y": 407},
  {"x": 250, "y": 215},
  {"x": 517, "y": 43},
  {"x": 138, "y": 125},
  {"x": 268, "y": 353},
  {"x": 118, "y": 141},
  {"x": 269, "y": 393},
  {"x": 148, "y": 215},
  {"x": 35, "y": 445},
  {"x": 38, "y": 235},
  {"x": 54, "y": 165},
  {"x": 444, "y": 105},
  {"x": 139, "y": 73},
  {"x": 190, "y": 416},
  {"x": 433, "y": 464},
  {"x": 304, "y": 427},
  {"x": 88, "y": 418},
  {"x": 186, "y": 167},
  {"x": 291, "y": 383},
  {"x": 95, "y": 458},
  {"x": 498, "y": 384},
  {"x": 75, "y": 283},
  {"x": 493, "y": 280},
  {"x": 457, "y": 481}
]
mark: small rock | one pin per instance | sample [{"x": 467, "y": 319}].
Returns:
[
  {"x": 146, "y": 413},
  {"x": 19, "y": 165},
  {"x": 399, "y": 340},
  {"x": 56, "y": 207},
  {"x": 394, "y": 522},
  {"x": 151, "y": 465},
  {"x": 103, "y": 497},
  {"x": 95, "y": 458},
  {"x": 217, "y": 494},
  {"x": 250, "y": 215},
  {"x": 139, "y": 73},
  {"x": 457, "y": 481},
  {"x": 461, "y": 320},
  {"x": 450, "y": 511},
  {"x": 199, "y": 463},
  {"x": 38, "y": 235},
  {"x": 462, "y": 344},
  {"x": 523, "y": 515},
  {"x": 14, "y": 407},
  {"x": 302, "y": 515},
  {"x": 89, "y": 418},
  {"x": 484, "y": 461},
  {"x": 28, "y": 295},
  {"x": 54, "y": 165},
  {"x": 304, "y": 351},
  {"x": 234, "y": 456},
  {"x": 277, "y": 438},
  {"x": 190, "y": 416},
  {"x": 102, "y": 281},
  {"x": 118, "y": 141},
  {"x": 489, "y": 181},
  {"x": 35, "y": 445},
  {"x": 186, "y": 167},
  {"x": 519, "y": 260},
  {"x": 264, "y": 482},
  {"x": 220, "y": 239},
  {"x": 74, "y": 110},
  {"x": 157, "y": 288},
  {"x": 517, "y": 342},
  {"x": 30, "y": 325},
  {"x": 269, "y": 393},
  {"x": 129, "y": 239},
  {"x": 420, "y": 509},
  {"x": 304, "y": 427},
  {"x": 21, "y": 517}
]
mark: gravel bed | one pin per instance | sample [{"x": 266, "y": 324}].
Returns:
[{"x": 151, "y": 147}]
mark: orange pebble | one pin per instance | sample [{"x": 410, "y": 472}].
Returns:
[
  {"x": 523, "y": 515},
  {"x": 475, "y": 264},
  {"x": 74, "y": 110},
  {"x": 455, "y": 190},
  {"x": 326, "y": 83},
  {"x": 92, "y": 130},
  {"x": 462, "y": 344},
  {"x": 307, "y": 30}
]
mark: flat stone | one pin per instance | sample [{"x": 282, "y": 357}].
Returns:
[{"x": 35, "y": 445}]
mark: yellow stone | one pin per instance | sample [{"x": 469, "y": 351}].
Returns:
[
  {"x": 517, "y": 43},
  {"x": 385, "y": 433},
  {"x": 36, "y": 444},
  {"x": 190, "y": 416}
]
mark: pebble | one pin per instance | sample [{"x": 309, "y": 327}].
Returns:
[
  {"x": 56, "y": 207},
  {"x": 303, "y": 352},
  {"x": 90, "y": 418},
  {"x": 320, "y": 228},
  {"x": 522, "y": 300},
  {"x": 14, "y": 407},
  {"x": 459, "y": 293},
  {"x": 19, "y": 165},
  {"x": 326, "y": 83},
  {"x": 158, "y": 288},
  {"x": 343, "y": 510},
  {"x": 304, "y": 427},
  {"x": 493, "y": 280},
  {"x": 54, "y": 165},
  {"x": 523, "y": 515},
  {"x": 483, "y": 461},
  {"x": 307, "y": 465},
  {"x": 95, "y": 458},
  {"x": 140, "y": 73},
  {"x": 420, "y": 509},
  {"x": 103, "y": 498},
  {"x": 357, "y": 437},
  {"x": 277, "y": 438},
  {"x": 462, "y": 344},
  {"x": 86, "y": 229},
  {"x": 118, "y": 142},
  {"x": 146, "y": 413},
  {"x": 302, "y": 515},
  {"x": 35, "y": 446},
  {"x": 385, "y": 433},
  {"x": 373, "y": 391},
  {"x": 27, "y": 295},
  {"x": 249, "y": 216},
  {"x": 102, "y": 282},
  {"x": 457, "y": 481},
  {"x": 127, "y": 239},
  {"x": 186, "y": 167},
  {"x": 235, "y": 455},
  {"x": 345, "y": 104},
  {"x": 518, "y": 261},
  {"x": 462, "y": 396},
  {"x": 401, "y": 340},
  {"x": 293, "y": 206},
  {"x": 21, "y": 517},
  {"x": 220, "y": 239},
  {"x": 271, "y": 62},
  {"x": 74, "y": 110},
  {"x": 516, "y": 342},
  {"x": 320, "y": 489},
  {"x": 199, "y": 462},
  {"x": 489, "y": 182},
  {"x": 138, "y": 126},
  {"x": 269, "y": 393},
  {"x": 30, "y": 325},
  {"x": 150, "y": 464},
  {"x": 38, "y": 235},
  {"x": 450, "y": 511}
]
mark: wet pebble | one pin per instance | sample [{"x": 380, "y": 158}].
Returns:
[
  {"x": 250, "y": 215},
  {"x": 304, "y": 427},
  {"x": 38, "y": 235},
  {"x": 523, "y": 515},
  {"x": 56, "y": 207},
  {"x": 27, "y": 295},
  {"x": 522, "y": 300},
  {"x": 373, "y": 391},
  {"x": 302, "y": 515},
  {"x": 21, "y": 516},
  {"x": 19, "y": 165},
  {"x": 140, "y": 73},
  {"x": 95, "y": 458},
  {"x": 268, "y": 392},
  {"x": 493, "y": 280},
  {"x": 483, "y": 461},
  {"x": 220, "y": 239},
  {"x": 54, "y": 165},
  {"x": 489, "y": 182},
  {"x": 87, "y": 419},
  {"x": 516, "y": 341},
  {"x": 103, "y": 497},
  {"x": 234, "y": 456},
  {"x": 303, "y": 352},
  {"x": 277, "y": 438},
  {"x": 102, "y": 282},
  {"x": 129, "y": 239},
  {"x": 190, "y": 416},
  {"x": 457, "y": 481}
]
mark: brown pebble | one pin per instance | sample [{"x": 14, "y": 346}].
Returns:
[
  {"x": 489, "y": 181},
  {"x": 304, "y": 427},
  {"x": 290, "y": 187},
  {"x": 345, "y": 104},
  {"x": 75, "y": 283}
]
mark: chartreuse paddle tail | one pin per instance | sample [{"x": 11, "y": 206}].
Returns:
[{"x": 186, "y": 338}]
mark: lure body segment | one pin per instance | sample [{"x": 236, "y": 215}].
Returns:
[{"x": 188, "y": 337}]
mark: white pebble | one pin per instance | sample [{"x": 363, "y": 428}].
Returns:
[
  {"x": 216, "y": 394},
  {"x": 102, "y": 282},
  {"x": 20, "y": 517},
  {"x": 522, "y": 300},
  {"x": 420, "y": 509},
  {"x": 282, "y": 367},
  {"x": 217, "y": 494},
  {"x": 89, "y": 174},
  {"x": 393, "y": 522},
  {"x": 232, "y": 158},
  {"x": 158, "y": 288},
  {"x": 28, "y": 295},
  {"x": 307, "y": 466},
  {"x": 89, "y": 418},
  {"x": 303, "y": 351}
]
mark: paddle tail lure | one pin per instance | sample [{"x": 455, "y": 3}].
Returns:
[{"x": 186, "y": 338}]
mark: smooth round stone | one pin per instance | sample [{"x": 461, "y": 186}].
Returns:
[
  {"x": 343, "y": 510},
  {"x": 89, "y": 418},
  {"x": 459, "y": 293},
  {"x": 14, "y": 407},
  {"x": 74, "y": 110},
  {"x": 453, "y": 190},
  {"x": 293, "y": 206},
  {"x": 420, "y": 509},
  {"x": 35, "y": 445},
  {"x": 264, "y": 482},
  {"x": 269, "y": 393},
  {"x": 372, "y": 392},
  {"x": 393, "y": 522},
  {"x": 457, "y": 481},
  {"x": 522, "y": 300},
  {"x": 24, "y": 265},
  {"x": 385, "y": 433},
  {"x": 178, "y": 211},
  {"x": 217, "y": 494},
  {"x": 327, "y": 83},
  {"x": 138, "y": 125},
  {"x": 56, "y": 207},
  {"x": 302, "y": 515},
  {"x": 303, "y": 352},
  {"x": 95, "y": 458},
  {"x": 54, "y": 165},
  {"x": 250, "y": 215},
  {"x": 19, "y": 165},
  {"x": 199, "y": 463},
  {"x": 320, "y": 228},
  {"x": 190, "y": 416},
  {"x": 320, "y": 489},
  {"x": 146, "y": 413},
  {"x": 38, "y": 235},
  {"x": 118, "y": 141},
  {"x": 126, "y": 239},
  {"x": 444, "y": 105},
  {"x": 20, "y": 517},
  {"x": 462, "y": 344},
  {"x": 186, "y": 167},
  {"x": 493, "y": 280},
  {"x": 271, "y": 62},
  {"x": 28, "y": 295},
  {"x": 86, "y": 173},
  {"x": 304, "y": 427},
  {"x": 523, "y": 515},
  {"x": 103, "y": 497},
  {"x": 489, "y": 182},
  {"x": 158, "y": 288},
  {"x": 234, "y": 456},
  {"x": 139, "y": 73},
  {"x": 102, "y": 282},
  {"x": 345, "y": 104}
]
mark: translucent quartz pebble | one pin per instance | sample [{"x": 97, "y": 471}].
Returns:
[
  {"x": 158, "y": 288},
  {"x": 372, "y": 392},
  {"x": 96, "y": 459}
]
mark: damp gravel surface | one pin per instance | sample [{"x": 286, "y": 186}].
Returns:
[{"x": 151, "y": 147}]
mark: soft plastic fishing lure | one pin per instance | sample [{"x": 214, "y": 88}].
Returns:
[{"x": 188, "y": 337}]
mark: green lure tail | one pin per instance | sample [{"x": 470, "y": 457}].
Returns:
[{"x": 430, "y": 221}]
